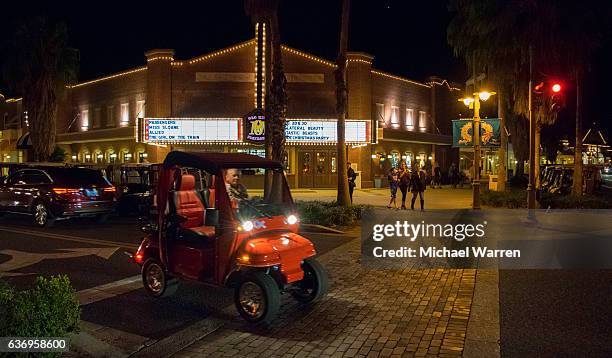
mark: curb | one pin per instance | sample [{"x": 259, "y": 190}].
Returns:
[
  {"x": 482, "y": 338},
  {"x": 314, "y": 228}
]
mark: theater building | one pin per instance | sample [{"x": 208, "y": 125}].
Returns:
[{"x": 210, "y": 102}]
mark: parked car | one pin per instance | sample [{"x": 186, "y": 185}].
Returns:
[{"x": 50, "y": 193}]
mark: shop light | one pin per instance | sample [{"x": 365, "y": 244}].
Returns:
[
  {"x": 74, "y": 157},
  {"x": 374, "y": 156},
  {"x": 389, "y": 156},
  {"x": 100, "y": 156}
]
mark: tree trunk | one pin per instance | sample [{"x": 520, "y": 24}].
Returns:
[
  {"x": 278, "y": 91},
  {"x": 341, "y": 104},
  {"x": 41, "y": 104},
  {"x": 577, "y": 185},
  {"x": 501, "y": 170}
]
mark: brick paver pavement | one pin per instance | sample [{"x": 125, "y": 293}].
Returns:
[{"x": 367, "y": 313}]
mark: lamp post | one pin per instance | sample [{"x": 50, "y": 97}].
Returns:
[{"x": 474, "y": 102}]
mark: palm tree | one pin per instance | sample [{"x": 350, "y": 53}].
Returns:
[
  {"x": 38, "y": 67},
  {"x": 563, "y": 34},
  {"x": 341, "y": 102}
]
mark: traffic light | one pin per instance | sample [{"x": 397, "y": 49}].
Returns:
[
  {"x": 557, "y": 98},
  {"x": 549, "y": 93}
]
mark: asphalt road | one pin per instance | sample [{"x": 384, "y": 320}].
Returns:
[
  {"x": 92, "y": 254},
  {"x": 552, "y": 313}
]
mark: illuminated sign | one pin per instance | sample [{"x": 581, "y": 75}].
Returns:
[
  {"x": 191, "y": 130},
  {"x": 314, "y": 130},
  {"x": 255, "y": 127}
]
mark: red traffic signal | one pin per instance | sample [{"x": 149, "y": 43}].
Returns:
[{"x": 556, "y": 88}]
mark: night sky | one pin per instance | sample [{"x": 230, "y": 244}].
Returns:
[{"x": 407, "y": 38}]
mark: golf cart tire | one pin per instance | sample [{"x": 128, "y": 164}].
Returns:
[
  {"x": 316, "y": 277},
  {"x": 169, "y": 285},
  {"x": 270, "y": 291}
]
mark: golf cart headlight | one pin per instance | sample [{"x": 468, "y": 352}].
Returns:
[
  {"x": 247, "y": 225},
  {"x": 292, "y": 219}
]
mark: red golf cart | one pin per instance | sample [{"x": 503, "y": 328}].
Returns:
[{"x": 247, "y": 242}]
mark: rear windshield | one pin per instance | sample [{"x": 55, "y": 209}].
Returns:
[{"x": 78, "y": 177}]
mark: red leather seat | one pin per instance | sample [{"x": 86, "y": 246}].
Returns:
[{"x": 189, "y": 204}]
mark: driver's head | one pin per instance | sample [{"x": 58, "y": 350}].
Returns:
[{"x": 232, "y": 176}]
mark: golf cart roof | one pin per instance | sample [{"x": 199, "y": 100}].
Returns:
[{"x": 216, "y": 161}]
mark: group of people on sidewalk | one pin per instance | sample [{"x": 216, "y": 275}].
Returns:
[{"x": 414, "y": 182}]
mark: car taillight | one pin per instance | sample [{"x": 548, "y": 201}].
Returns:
[
  {"x": 110, "y": 189},
  {"x": 65, "y": 191}
]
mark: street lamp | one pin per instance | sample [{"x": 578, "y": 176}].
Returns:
[{"x": 474, "y": 103}]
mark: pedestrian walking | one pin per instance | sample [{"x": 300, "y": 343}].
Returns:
[
  {"x": 437, "y": 176},
  {"x": 404, "y": 182},
  {"x": 417, "y": 187},
  {"x": 393, "y": 185},
  {"x": 454, "y": 175},
  {"x": 351, "y": 179}
]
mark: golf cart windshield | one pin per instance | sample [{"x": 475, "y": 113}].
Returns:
[{"x": 252, "y": 195}]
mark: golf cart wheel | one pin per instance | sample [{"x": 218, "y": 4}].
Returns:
[
  {"x": 42, "y": 215},
  {"x": 315, "y": 283},
  {"x": 257, "y": 298},
  {"x": 156, "y": 280}
]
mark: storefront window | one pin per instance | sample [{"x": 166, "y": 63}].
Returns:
[
  {"x": 257, "y": 152},
  {"x": 87, "y": 158},
  {"x": 334, "y": 164},
  {"x": 306, "y": 163},
  {"x": 142, "y": 157},
  {"x": 422, "y": 158},
  {"x": 409, "y": 158},
  {"x": 286, "y": 162},
  {"x": 127, "y": 157},
  {"x": 112, "y": 158},
  {"x": 395, "y": 159},
  {"x": 321, "y": 163},
  {"x": 99, "y": 158}
]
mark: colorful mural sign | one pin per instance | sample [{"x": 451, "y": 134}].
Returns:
[{"x": 490, "y": 133}]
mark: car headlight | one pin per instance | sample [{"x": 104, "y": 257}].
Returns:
[
  {"x": 247, "y": 225},
  {"x": 292, "y": 219}
]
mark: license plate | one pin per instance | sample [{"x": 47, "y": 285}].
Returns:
[{"x": 91, "y": 192}]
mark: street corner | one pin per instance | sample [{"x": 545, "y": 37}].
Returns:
[{"x": 367, "y": 312}]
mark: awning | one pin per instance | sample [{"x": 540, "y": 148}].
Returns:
[{"x": 24, "y": 142}]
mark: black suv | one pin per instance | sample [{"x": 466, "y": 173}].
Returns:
[{"x": 56, "y": 193}]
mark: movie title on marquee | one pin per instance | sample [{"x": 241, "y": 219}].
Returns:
[
  {"x": 169, "y": 130},
  {"x": 356, "y": 131}
]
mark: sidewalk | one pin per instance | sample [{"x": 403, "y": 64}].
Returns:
[
  {"x": 407, "y": 313},
  {"x": 446, "y": 198}
]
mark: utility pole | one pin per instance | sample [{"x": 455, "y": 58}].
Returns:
[{"x": 531, "y": 198}]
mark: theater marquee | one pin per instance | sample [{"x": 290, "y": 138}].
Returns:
[
  {"x": 190, "y": 130},
  {"x": 317, "y": 131},
  {"x": 250, "y": 129}
]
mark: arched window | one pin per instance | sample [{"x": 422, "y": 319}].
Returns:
[
  {"x": 395, "y": 159},
  {"x": 409, "y": 158}
]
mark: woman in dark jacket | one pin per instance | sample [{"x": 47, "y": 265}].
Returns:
[
  {"x": 417, "y": 186},
  {"x": 404, "y": 182}
]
